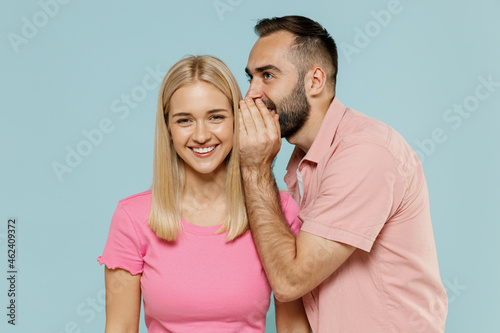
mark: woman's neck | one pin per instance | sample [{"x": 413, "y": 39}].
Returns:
[
  {"x": 204, "y": 198},
  {"x": 204, "y": 187}
]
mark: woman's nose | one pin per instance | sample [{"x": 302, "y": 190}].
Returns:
[{"x": 202, "y": 133}]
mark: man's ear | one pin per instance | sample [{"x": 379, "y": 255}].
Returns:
[{"x": 316, "y": 81}]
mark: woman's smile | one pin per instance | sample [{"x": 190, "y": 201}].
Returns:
[
  {"x": 204, "y": 151},
  {"x": 201, "y": 127}
]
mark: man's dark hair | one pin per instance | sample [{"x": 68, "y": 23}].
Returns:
[{"x": 313, "y": 44}]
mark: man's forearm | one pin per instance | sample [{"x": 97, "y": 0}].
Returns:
[
  {"x": 273, "y": 238},
  {"x": 293, "y": 266}
]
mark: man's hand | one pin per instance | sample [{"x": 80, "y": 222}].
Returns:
[
  {"x": 293, "y": 266},
  {"x": 260, "y": 136}
]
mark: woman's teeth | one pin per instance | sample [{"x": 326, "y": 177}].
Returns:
[{"x": 203, "y": 150}]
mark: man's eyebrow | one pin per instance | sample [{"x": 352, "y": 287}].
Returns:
[{"x": 264, "y": 69}]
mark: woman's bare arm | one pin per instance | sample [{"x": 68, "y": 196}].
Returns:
[
  {"x": 123, "y": 301},
  {"x": 291, "y": 317}
]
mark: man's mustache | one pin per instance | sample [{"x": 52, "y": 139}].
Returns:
[{"x": 269, "y": 104}]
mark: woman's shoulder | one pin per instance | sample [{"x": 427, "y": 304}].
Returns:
[
  {"x": 137, "y": 203},
  {"x": 286, "y": 199},
  {"x": 290, "y": 211},
  {"x": 146, "y": 195}
]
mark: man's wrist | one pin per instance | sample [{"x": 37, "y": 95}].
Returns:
[
  {"x": 256, "y": 174},
  {"x": 259, "y": 183}
]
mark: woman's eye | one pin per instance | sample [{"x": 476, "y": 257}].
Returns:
[
  {"x": 182, "y": 121},
  {"x": 217, "y": 117}
]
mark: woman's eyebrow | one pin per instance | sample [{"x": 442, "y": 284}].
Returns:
[
  {"x": 185, "y": 114},
  {"x": 217, "y": 110},
  {"x": 181, "y": 114}
]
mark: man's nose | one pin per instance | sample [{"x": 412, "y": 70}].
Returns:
[{"x": 255, "y": 90}]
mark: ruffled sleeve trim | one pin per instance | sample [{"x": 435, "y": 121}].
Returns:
[{"x": 111, "y": 265}]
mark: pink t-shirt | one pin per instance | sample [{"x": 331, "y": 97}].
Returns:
[
  {"x": 200, "y": 283},
  {"x": 364, "y": 186}
]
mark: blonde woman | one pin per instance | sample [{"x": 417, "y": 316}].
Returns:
[{"x": 185, "y": 246}]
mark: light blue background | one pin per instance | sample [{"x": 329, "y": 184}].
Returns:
[{"x": 67, "y": 75}]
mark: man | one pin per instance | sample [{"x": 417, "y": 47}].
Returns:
[{"x": 365, "y": 259}]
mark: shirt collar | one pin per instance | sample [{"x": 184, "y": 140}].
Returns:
[
  {"x": 327, "y": 131},
  {"x": 321, "y": 143}
]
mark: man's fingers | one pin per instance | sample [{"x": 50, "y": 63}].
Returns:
[
  {"x": 246, "y": 119},
  {"x": 256, "y": 114},
  {"x": 276, "y": 119},
  {"x": 267, "y": 117},
  {"x": 259, "y": 134}
]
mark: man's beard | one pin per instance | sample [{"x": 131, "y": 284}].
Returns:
[{"x": 293, "y": 110}]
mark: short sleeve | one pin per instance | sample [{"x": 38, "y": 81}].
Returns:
[
  {"x": 122, "y": 249},
  {"x": 291, "y": 212},
  {"x": 357, "y": 193}
]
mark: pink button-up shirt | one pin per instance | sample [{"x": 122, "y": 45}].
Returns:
[{"x": 364, "y": 186}]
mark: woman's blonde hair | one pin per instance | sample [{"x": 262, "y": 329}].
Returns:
[{"x": 168, "y": 167}]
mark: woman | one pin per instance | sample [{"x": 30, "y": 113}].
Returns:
[{"x": 185, "y": 245}]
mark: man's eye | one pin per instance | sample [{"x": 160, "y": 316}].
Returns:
[{"x": 267, "y": 76}]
